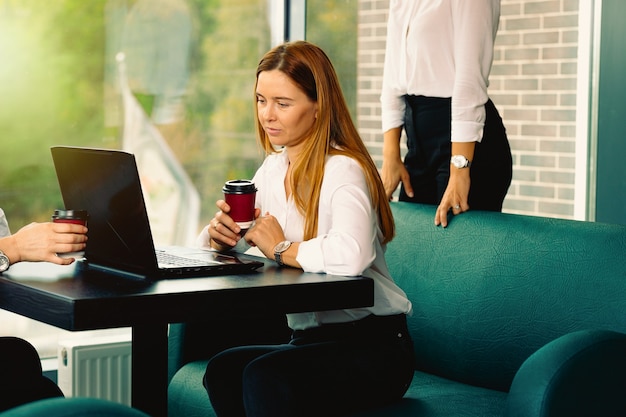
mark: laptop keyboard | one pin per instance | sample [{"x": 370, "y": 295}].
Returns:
[{"x": 169, "y": 259}]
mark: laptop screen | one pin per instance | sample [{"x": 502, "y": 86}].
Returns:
[{"x": 106, "y": 184}]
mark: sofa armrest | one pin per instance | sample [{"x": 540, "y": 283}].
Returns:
[{"x": 582, "y": 373}]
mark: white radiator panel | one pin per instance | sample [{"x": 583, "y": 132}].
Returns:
[{"x": 96, "y": 368}]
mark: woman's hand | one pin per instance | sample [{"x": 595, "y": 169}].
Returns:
[
  {"x": 265, "y": 234},
  {"x": 393, "y": 170},
  {"x": 223, "y": 232},
  {"x": 392, "y": 173},
  {"x": 455, "y": 197},
  {"x": 42, "y": 241}
]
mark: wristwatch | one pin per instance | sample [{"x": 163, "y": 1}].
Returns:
[
  {"x": 460, "y": 161},
  {"x": 4, "y": 262},
  {"x": 279, "y": 249}
]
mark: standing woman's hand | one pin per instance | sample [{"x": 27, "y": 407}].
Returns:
[
  {"x": 392, "y": 173},
  {"x": 455, "y": 198},
  {"x": 393, "y": 170}
]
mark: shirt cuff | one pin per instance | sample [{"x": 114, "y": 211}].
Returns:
[
  {"x": 311, "y": 256},
  {"x": 467, "y": 132}
]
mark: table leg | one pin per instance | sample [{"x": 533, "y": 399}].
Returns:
[{"x": 149, "y": 369}]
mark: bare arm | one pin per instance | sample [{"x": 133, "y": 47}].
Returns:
[{"x": 393, "y": 170}]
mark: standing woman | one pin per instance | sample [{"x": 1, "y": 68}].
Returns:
[
  {"x": 438, "y": 58},
  {"x": 321, "y": 207}
]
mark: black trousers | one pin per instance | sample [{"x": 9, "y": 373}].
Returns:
[
  {"x": 330, "y": 370},
  {"x": 427, "y": 124},
  {"x": 21, "y": 378}
]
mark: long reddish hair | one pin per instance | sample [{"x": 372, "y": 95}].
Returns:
[{"x": 333, "y": 133}]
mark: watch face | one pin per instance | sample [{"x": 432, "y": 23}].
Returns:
[
  {"x": 282, "y": 246},
  {"x": 459, "y": 161},
  {"x": 4, "y": 262}
]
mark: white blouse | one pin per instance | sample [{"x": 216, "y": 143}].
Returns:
[
  {"x": 4, "y": 225},
  {"x": 348, "y": 241},
  {"x": 440, "y": 48}
]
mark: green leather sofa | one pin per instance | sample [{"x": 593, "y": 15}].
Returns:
[
  {"x": 513, "y": 316},
  {"x": 72, "y": 407}
]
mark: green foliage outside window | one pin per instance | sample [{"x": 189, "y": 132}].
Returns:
[
  {"x": 51, "y": 80},
  {"x": 59, "y": 86}
]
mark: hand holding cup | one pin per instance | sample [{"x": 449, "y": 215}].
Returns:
[
  {"x": 236, "y": 215},
  {"x": 73, "y": 217}
]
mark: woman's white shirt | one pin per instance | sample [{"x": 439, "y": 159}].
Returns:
[
  {"x": 440, "y": 48},
  {"x": 348, "y": 241}
]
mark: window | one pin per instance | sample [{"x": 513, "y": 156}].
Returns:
[
  {"x": 189, "y": 64},
  {"x": 333, "y": 26}
]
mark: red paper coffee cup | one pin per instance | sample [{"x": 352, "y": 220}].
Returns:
[
  {"x": 74, "y": 217},
  {"x": 240, "y": 195}
]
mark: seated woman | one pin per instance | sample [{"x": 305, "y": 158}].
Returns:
[
  {"x": 321, "y": 207},
  {"x": 21, "y": 378}
]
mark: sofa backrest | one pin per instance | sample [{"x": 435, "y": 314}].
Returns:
[{"x": 491, "y": 288}]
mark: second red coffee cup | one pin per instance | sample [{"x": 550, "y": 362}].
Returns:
[
  {"x": 240, "y": 195},
  {"x": 75, "y": 217}
]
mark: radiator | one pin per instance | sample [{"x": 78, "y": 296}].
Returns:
[{"x": 96, "y": 368}]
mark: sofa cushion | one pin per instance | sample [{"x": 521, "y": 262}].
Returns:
[{"x": 432, "y": 396}]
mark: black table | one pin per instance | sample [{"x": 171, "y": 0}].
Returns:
[{"x": 77, "y": 298}]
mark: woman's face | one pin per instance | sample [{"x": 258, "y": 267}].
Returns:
[{"x": 284, "y": 110}]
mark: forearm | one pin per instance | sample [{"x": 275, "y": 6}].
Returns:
[
  {"x": 391, "y": 144},
  {"x": 8, "y": 247},
  {"x": 464, "y": 148},
  {"x": 467, "y": 150}
]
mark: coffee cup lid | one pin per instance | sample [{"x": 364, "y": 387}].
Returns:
[
  {"x": 70, "y": 214},
  {"x": 239, "y": 187}
]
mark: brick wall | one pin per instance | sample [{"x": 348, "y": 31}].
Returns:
[{"x": 533, "y": 83}]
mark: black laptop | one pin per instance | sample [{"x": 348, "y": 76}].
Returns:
[{"x": 105, "y": 182}]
